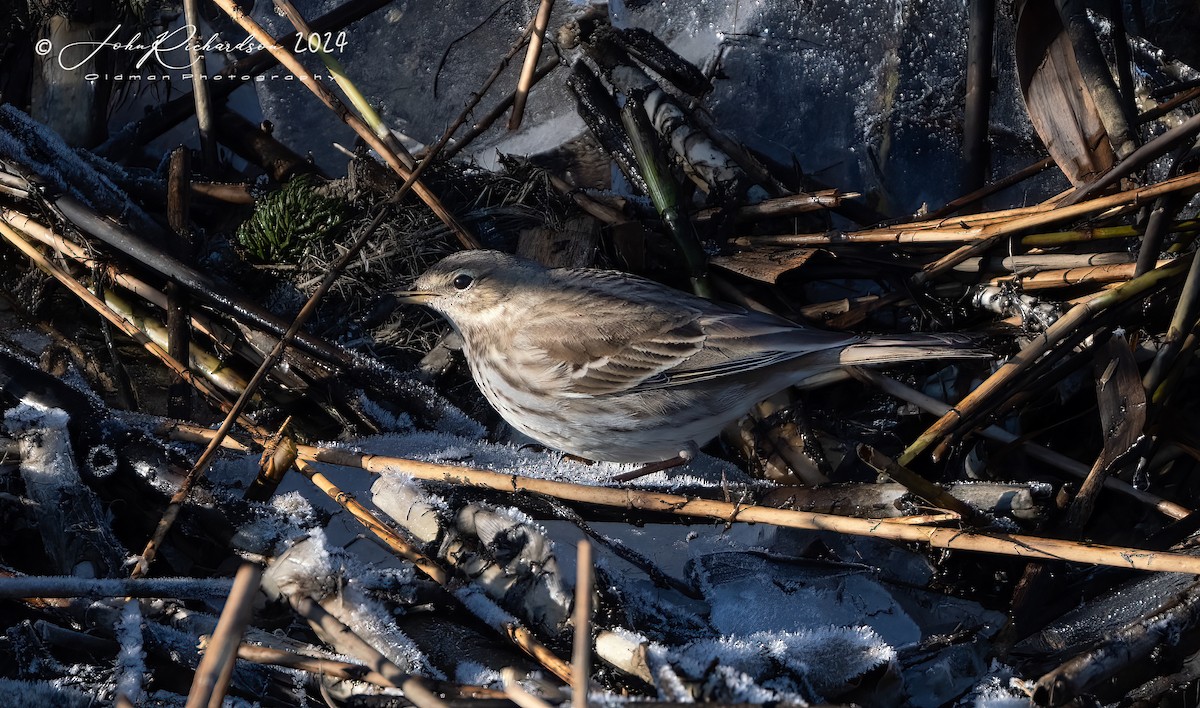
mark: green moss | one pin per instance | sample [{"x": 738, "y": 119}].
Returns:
[{"x": 286, "y": 222}]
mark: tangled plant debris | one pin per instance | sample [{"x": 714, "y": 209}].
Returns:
[{"x": 364, "y": 529}]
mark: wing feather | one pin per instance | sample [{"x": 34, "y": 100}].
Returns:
[{"x": 645, "y": 337}]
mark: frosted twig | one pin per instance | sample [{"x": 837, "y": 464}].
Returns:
[
  {"x": 394, "y": 541},
  {"x": 23, "y": 586},
  {"x": 355, "y": 672},
  {"x": 1020, "y": 545},
  {"x": 516, "y": 633},
  {"x": 349, "y": 642}
]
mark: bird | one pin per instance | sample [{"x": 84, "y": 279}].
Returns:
[{"x": 613, "y": 367}]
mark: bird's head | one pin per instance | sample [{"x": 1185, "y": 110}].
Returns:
[{"x": 471, "y": 287}]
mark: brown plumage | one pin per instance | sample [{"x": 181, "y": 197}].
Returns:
[{"x": 609, "y": 366}]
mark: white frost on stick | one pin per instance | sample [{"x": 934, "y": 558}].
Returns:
[
  {"x": 72, "y": 525},
  {"x": 131, "y": 659},
  {"x": 40, "y": 150},
  {"x": 328, "y": 575},
  {"x": 45, "y": 446},
  {"x": 769, "y": 666}
]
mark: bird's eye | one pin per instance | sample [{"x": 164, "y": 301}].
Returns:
[{"x": 462, "y": 281}]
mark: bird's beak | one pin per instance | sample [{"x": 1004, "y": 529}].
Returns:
[{"x": 414, "y": 297}]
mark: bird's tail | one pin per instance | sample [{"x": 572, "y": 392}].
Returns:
[{"x": 898, "y": 348}]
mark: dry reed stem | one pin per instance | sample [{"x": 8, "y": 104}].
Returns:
[
  {"x": 1030, "y": 547},
  {"x": 323, "y": 667},
  {"x": 999, "y": 543},
  {"x": 278, "y": 456},
  {"x": 203, "y": 102},
  {"x": 393, "y": 540},
  {"x": 349, "y": 671},
  {"x": 228, "y": 192},
  {"x": 481, "y": 126},
  {"x": 367, "y": 112},
  {"x": 1068, "y": 277},
  {"x": 420, "y": 695},
  {"x": 519, "y": 635},
  {"x": 918, "y": 485},
  {"x": 472, "y": 102},
  {"x": 581, "y": 654},
  {"x": 783, "y": 206},
  {"x": 923, "y": 519},
  {"x": 1143, "y": 155},
  {"x": 43, "y": 235},
  {"x": 285, "y": 58},
  {"x": 270, "y": 360},
  {"x": 531, "y": 58},
  {"x": 1059, "y": 238},
  {"x": 993, "y": 232},
  {"x": 216, "y": 664},
  {"x": 989, "y": 189},
  {"x": 597, "y": 210},
  {"x": 30, "y": 586},
  {"x": 233, "y": 412},
  {"x": 984, "y": 228},
  {"x": 524, "y": 639}
]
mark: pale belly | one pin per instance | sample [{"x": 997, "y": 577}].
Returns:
[{"x": 642, "y": 427}]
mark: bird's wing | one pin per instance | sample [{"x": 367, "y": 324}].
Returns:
[
  {"x": 739, "y": 342},
  {"x": 621, "y": 346},
  {"x": 639, "y": 337}
]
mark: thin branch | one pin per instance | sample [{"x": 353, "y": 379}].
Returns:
[
  {"x": 397, "y": 544},
  {"x": 493, "y": 115},
  {"x": 1141, "y": 157},
  {"x": 954, "y": 539}
]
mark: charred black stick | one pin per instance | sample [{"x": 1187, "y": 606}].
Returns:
[
  {"x": 179, "y": 393},
  {"x": 981, "y": 15}
]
